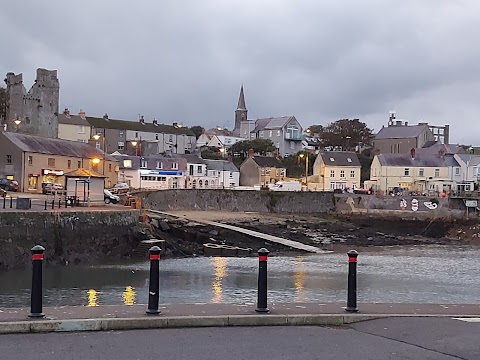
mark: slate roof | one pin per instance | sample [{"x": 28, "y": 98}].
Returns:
[
  {"x": 434, "y": 148},
  {"x": 400, "y": 132},
  {"x": 340, "y": 158},
  {"x": 268, "y": 161},
  {"x": 272, "y": 123},
  {"x": 426, "y": 160},
  {"x": 450, "y": 160},
  {"x": 84, "y": 173},
  {"x": 43, "y": 145},
  {"x": 191, "y": 158},
  {"x": 152, "y": 162},
  {"x": 101, "y": 123},
  {"x": 72, "y": 120},
  {"x": 471, "y": 159},
  {"x": 220, "y": 165}
]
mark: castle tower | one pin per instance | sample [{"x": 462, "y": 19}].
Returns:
[
  {"x": 37, "y": 109},
  {"x": 241, "y": 112}
]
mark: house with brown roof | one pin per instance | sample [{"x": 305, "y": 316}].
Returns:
[
  {"x": 335, "y": 170},
  {"x": 399, "y": 138},
  {"x": 74, "y": 127},
  {"x": 261, "y": 170},
  {"x": 33, "y": 160}
]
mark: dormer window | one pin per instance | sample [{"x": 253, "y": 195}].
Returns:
[
  {"x": 349, "y": 160},
  {"x": 332, "y": 159}
]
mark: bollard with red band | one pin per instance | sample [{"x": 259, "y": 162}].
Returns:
[
  {"x": 154, "y": 285},
  {"x": 352, "y": 282},
  {"x": 262, "y": 281},
  {"x": 36, "y": 295}
]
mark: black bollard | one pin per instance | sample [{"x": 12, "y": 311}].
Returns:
[
  {"x": 66, "y": 202},
  {"x": 36, "y": 296},
  {"x": 4, "y": 200},
  {"x": 352, "y": 282},
  {"x": 45, "y": 204},
  {"x": 11, "y": 201},
  {"x": 262, "y": 281},
  {"x": 154, "y": 285},
  {"x": 53, "y": 204},
  {"x": 59, "y": 203}
]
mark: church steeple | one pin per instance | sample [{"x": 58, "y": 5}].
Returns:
[
  {"x": 241, "y": 112},
  {"x": 241, "y": 100}
]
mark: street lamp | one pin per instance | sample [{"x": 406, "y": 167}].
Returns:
[
  {"x": 96, "y": 137},
  {"x": 306, "y": 167},
  {"x": 17, "y": 123},
  {"x": 134, "y": 144}
]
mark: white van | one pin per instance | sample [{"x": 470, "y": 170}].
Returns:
[{"x": 287, "y": 186}]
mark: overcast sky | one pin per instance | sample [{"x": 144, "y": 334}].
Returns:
[{"x": 185, "y": 60}]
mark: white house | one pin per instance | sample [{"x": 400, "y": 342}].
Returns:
[
  {"x": 223, "y": 142},
  {"x": 196, "y": 174},
  {"x": 469, "y": 171},
  {"x": 227, "y": 174}
]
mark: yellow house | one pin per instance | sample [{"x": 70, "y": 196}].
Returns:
[
  {"x": 335, "y": 170},
  {"x": 73, "y": 127},
  {"x": 421, "y": 173}
]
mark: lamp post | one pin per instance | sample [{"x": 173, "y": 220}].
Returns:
[
  {"x": 96, "y": 137},
  {"x": 306, "y": 167},
  {"x": 134, "y": 144}
]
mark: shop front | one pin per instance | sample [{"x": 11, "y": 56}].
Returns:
[
  {"x": 33, "y": 182},
  {"x": 52, "y": 176}
]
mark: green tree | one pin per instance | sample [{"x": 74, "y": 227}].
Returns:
[
  {"x": 212, "y": 153},
  {"x": 295, "y": 164},
  {"x": 344, "y": 133},
  {"x": 197, "y": 130},
  {"x": 366, "y": 162},
  {"x": 259, "y": 146}
]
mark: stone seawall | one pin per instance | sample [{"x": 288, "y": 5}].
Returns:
[
  {"x": 235, "y": 200},
  {"x": 83, "y": 236}
]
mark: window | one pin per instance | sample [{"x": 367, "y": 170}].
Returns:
[
  {"x": 406, "y": 172},
  {"x": 421, "y": 172},
  {"x": 51, "y": 162},
  {"x": 97, "y": 145},
  {"x": 121, "y": 145},
  {"x": 95, "y": 167},
  {"x": 27, "y": 120},
  {"x": 199, "y": 169},
  {"x": 136, "y": 135},
  {"x": 278, "y": 132},
  {"x": 270, "y": 133},
  {"x": 79, "y": 164},
  {"x": 159, "y": 165},
  {"x": 127, "y": 163},
  {"x": 332, "y": 173},
  {"x": 143, "y": 164},
  {"x": 175, "y": 166},
  {"x": 109, "y": 167},
  {"x": 120, "y": 134},
  {"x": 277, "y": 145},
  {"x": 437, "y": 172},
  {"x": 261, "y": 134},
  {"x": 231, "y": 175},
  {"x": 30, "y": 160},
  {"x": 170, "y": 138},
  {"x": 81, "y": 129},
  {"x": 342, "y": 173},
  {"x": 332, "y": 159},
  {"x": 457, "y": 171},
  {"x": 69, "y": 164},
  {"x": 9, "y": 159},
  {"x": 352, "y": 173}
]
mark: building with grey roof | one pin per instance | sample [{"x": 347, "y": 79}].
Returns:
[
  {"x": 261, "y": 170},
  {"x": 227, "y": 173},
  {"x": 33, "y": 160}
]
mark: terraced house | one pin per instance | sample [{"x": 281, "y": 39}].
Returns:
[{"x": 335, "y": 170}]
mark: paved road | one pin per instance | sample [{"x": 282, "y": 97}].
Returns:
[{"x": 399, "y": 338}]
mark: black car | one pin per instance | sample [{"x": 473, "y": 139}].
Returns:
[{"x": 9, "y": 185}]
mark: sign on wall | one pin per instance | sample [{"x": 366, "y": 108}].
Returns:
[
  {"x": 471, "y": 203},
  {"x": 414, "y": 204}
]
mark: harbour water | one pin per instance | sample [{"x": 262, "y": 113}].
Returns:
[{"x": 420, "y": 274}]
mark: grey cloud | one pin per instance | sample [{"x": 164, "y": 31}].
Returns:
[{"x": 319, "y": 60}]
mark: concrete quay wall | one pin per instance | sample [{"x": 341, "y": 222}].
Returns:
[
  {"x": 81, "y": 236},
  {"x": 237, "y": 200}
]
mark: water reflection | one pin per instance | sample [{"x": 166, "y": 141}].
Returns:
[
  {"x": 129, "y": 296},
  {"x": 92, "y": 298},
  {"x": 299, "y": 278},
  {"x": 220, "y": 268}
]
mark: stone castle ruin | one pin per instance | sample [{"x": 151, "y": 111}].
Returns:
[{"x": 37, "y": 110}]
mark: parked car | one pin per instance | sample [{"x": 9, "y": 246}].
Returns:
[
  {"x": 50, "y": 188},
  {"x": 9, "y": 185},
  {"x": 362, "y": 191},
  {"x": 120, "y": 188},
  {"x": 109, "y": 197}
]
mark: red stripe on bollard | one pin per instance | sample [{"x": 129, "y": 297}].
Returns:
[
  {"x": 154, "y": 257},
  {"x": 37, "y": 257},
  {"x": 352, "y": 259},
  {"x": 262, "y": 258}
]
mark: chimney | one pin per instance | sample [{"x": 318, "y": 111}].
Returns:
[
  {"x": 155, "y": 122},
  {"x": 412, "y": 153},
  {"x": 441, "y": 153},
  {"x": 105, "y": 117},
  {"x": 251, "y": 153},
  {"x": 81, "y": 113},
  {"x": 406, "y": 123},
  {"x": 398, "y": 123},
  {"x": 142, "y": 120},
  {"x": 392, "y": 116},
  {"x": 175, "y": 124},
  {"x": 66, "y": 112}
]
